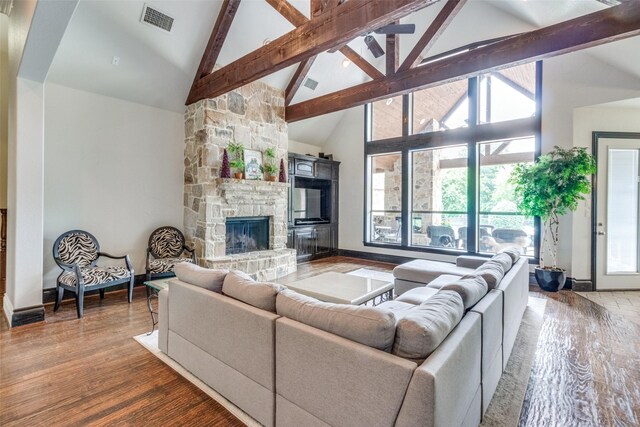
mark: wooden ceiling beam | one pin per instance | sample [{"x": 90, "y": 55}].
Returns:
[
  {"x": 432, "y": 33},
  {"x": 297, "y": 79},
  {"x": 586, "y": 31},
  {"x": 216, "y": 40},
  {"x": 334, "y": 27},
  {"x": 392, "y": 58},
  {"x": 293, "y": 15},
  {"x": 361, "y": 63},
  {"x": 289, "y": 12}
]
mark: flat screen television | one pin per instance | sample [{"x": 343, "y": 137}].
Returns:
[{"x": 311, "y": 201}]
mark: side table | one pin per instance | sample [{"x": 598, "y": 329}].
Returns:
[{"x": 153, "y": 289}]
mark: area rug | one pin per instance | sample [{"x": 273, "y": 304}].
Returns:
[
  {"x": 506, "y": 405},
  {"x": 372, "y": 274},
  {"x": 504, "y": 409}
]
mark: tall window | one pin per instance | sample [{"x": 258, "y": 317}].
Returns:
[
  {"x": 439, "y": 197},
  {"x": 386, "y": 198},
  {"x": 500, "y": 226},
  {"x": 463, "y": 140}
]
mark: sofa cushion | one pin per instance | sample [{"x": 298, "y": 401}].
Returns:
[
  {"x": 470, "y": 288},
  {"x": 469, "y": 261},
  {"x": 202, "y": 277},
  {"x": 424, "y": 327},
  {"x": 513, "y": 253},
  {"x": 492, "y": 272},
  {"x": 417, "y": 296},
  {"x": 424, "y": 271},
  {"x": 398, "y": 308},
  {"x": 242, "y": 287},
  {"x": 443, "y": 280},
  {"x": 504, "y": 260},
  {"x": 372, "y": 326}
]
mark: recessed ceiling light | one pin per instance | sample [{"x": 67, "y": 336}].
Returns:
[
  {"x": 422, "y": 121},
  {"x": 115, "y": 60},
  {"x": 389, "y": 101},
  {"x": 346, "y": 62}
]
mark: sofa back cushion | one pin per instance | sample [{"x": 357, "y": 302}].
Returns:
[
  {"x": 470, "y": 288},
  {"x": 491, "y": 271},
  {"x": 423, "y": 328},
  {"x": 504, "y": 260},
  {"x": 513, "y": 253},
  {"x": 202, "y": 277},
  {"x": 371, "y": 326},
  {"x": 241, "y": 286}
]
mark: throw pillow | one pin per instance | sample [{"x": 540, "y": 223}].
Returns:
[
  {"x": 470, "y": 288},
  {"x": 371, "y": 326},
  {"x": 422, "y": 329},
  {"x": 202, "y": 277},
  {"x": 262, "y": 295},
  {"x": 492, "y": 272},
  {"x": 513, "y": 253},
  {"x": 504, "y": 260}
]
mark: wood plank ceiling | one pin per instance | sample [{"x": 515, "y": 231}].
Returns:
[{"x": 334, "y": 23}]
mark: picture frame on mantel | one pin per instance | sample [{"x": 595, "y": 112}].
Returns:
[{"x": 252, "y": 164}]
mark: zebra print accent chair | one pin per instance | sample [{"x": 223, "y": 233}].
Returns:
[
  {"x": 166, "y": 249},
  {"x": 77, "y": 252}
]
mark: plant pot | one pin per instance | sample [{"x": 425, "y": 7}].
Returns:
[
  {"x": 271, "y": 178},
  {"x": 238, "y": 175},
  {"x": 550, "y": 280}
]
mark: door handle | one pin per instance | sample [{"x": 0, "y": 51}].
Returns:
[{"x": 601, "y": 233}]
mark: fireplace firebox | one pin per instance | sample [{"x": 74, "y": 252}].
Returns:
[{"x": 247, "y": 234}]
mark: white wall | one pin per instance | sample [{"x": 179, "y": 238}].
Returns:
[
  {"x": 303, "y": 148},
  {"x": 24, "y": 205},
  {"x": 113, "y": 168},
  {"x": 569, "y": 82},
  {"x": 586, "y": 121},
  {"x": 4, "y": 106}
]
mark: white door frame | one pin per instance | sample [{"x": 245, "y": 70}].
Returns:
[{"x": 594, "y": 196}]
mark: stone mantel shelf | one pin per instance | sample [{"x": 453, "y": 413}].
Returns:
[{"x": 229, "y": 183}]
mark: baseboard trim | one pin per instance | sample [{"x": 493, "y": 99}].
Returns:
[
  {"x": 580, "y": 285},
  {"x": 21, "y": 316},
  {"x": 370, "y": 256},
  {"x": 49, "y": 295}
]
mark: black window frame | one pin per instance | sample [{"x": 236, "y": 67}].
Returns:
[{"x": 474, "y": 134}]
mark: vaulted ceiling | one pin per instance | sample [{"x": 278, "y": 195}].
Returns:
[{"x": 108, "y": 50}]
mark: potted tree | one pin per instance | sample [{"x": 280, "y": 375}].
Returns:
[
  {"x": 270, "y": 168},
  {"x": 237, "y": 153},
  {"x": 549, "y": 188}
]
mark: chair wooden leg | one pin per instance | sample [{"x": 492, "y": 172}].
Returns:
[
  {"x": 102, "y": 293},
  {"x": 58, "y": 298},
  {"x": 131, "y": 289},
  {"x": 79, "y": 302}
]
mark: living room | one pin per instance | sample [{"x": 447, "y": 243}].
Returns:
[{"x": 394, "y": 141}]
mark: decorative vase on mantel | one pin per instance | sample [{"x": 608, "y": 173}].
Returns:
[{"x": 225, "y": 170}]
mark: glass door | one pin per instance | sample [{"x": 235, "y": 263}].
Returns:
[{"x": 618, "y": 214}]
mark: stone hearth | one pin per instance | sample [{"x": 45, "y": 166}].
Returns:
[{"x": 254, "y": 116}]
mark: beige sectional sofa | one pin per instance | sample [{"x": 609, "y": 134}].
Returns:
[{"x": 290, "y": 360}]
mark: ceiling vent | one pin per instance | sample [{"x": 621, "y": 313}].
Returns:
[
  {"x": 156, "y": 18},
  {"x": 310, "y": 83}
]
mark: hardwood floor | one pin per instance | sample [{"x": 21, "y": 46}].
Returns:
[
  {"x": 587, "y": 366},
  {"x": 70, "y": 372},
  {"x": 66, "y": 371}
]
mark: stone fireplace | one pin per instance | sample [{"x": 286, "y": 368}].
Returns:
[{"x": 254, "y": 116}]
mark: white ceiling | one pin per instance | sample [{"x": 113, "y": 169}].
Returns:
[{"x": 157, "y": 68}]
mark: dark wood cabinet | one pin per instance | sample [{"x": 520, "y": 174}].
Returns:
[
  {"x": 305, "y": 243},
  {"x": 314, "y": 240}
]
